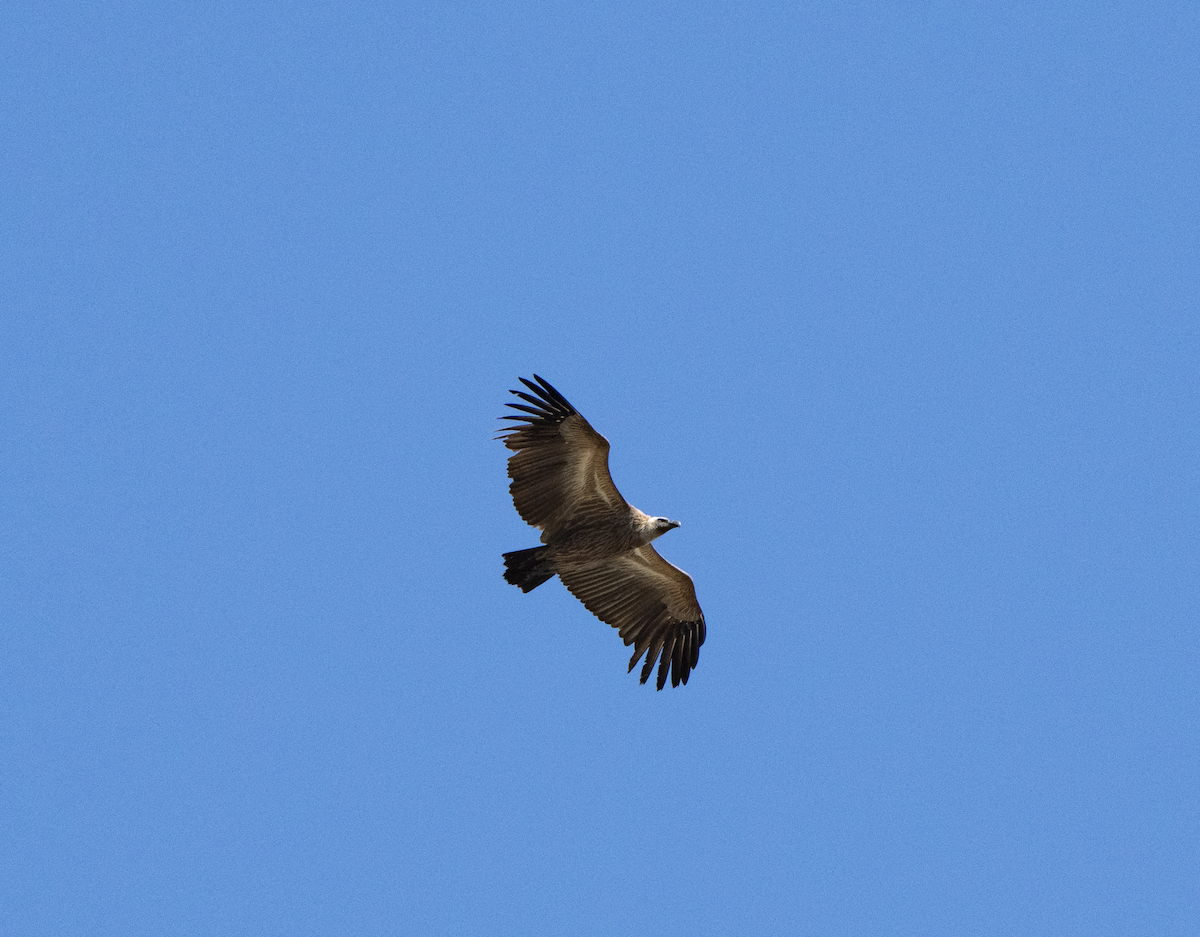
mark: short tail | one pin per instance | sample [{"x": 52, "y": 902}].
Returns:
[{"x": 528, "y": 568}]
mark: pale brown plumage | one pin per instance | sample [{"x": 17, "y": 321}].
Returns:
[{"x": 596, "y": 542}]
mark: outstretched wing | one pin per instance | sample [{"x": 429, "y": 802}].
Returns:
[
  {"x": 559, "y": 470},
  {"x": 651, "y": 603}
]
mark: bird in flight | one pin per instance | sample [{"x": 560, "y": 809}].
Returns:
[{"x": 594, "y": 540}]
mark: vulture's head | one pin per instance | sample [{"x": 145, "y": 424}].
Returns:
[{"x": 660, "y": 525}]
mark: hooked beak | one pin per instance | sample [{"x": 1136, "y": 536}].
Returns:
[{"x": 671, "y": 525}]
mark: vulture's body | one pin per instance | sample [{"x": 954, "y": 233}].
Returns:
[{"x": 595, "y": 542}]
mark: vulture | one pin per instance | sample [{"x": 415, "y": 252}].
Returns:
[{"x": 595, "y": 541}]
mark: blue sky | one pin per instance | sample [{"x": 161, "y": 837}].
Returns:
[{"x": 894, "y": 306}]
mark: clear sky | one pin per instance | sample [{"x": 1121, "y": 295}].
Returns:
[{"x": 893, "y": 305}]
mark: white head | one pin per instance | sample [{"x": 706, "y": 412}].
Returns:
[{"x": 657, "y": 526}]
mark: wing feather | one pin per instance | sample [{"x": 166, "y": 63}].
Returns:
[
  {"x": 559, "y": 467},
  {"x": 650, "y": 602}
]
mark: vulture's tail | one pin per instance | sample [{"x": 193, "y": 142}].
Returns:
[{"x": 528, "y": 568}]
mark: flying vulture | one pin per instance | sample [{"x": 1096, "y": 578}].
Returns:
[{"x": 595, "y": 541}]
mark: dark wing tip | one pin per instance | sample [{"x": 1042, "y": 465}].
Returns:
[
  {"x": 679, "y": 647},
  {"x": 549, "y": 388},
  {"x": 549, "y": 406},
  {"x": 546, "y": 391}
]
